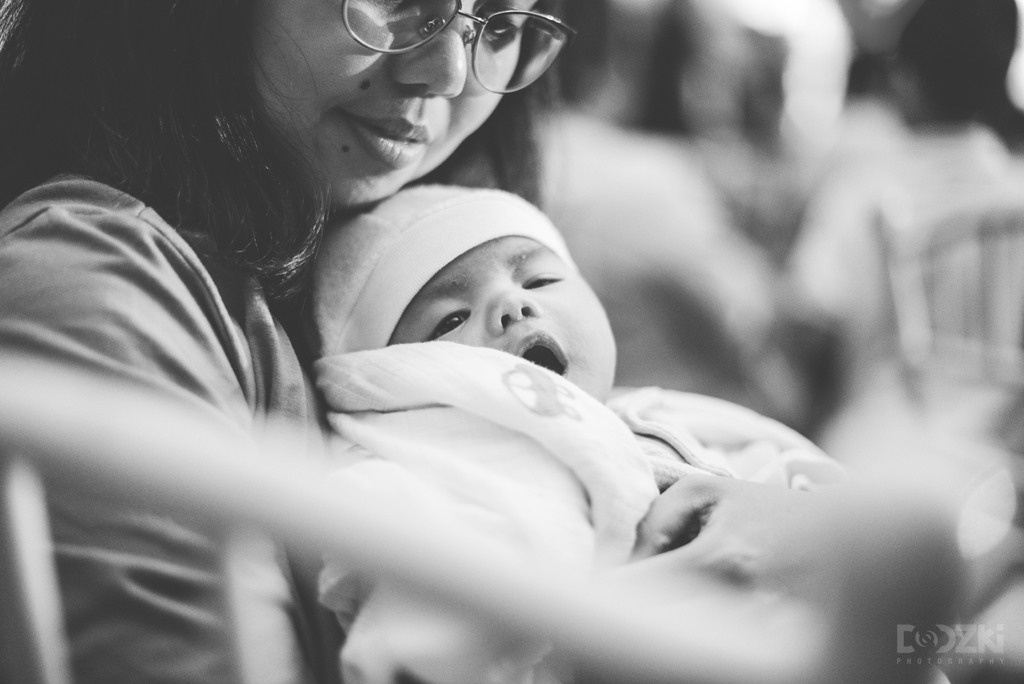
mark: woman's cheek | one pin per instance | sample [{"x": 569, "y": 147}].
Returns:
[
  {"x": 469, "y": 112},
  {"x": 466, "y": 116}
]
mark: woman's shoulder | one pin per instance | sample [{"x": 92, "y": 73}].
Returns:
[
  {"x": 90, "y": 224},
  {"x": 91, "y": 275},
  {"x": 72, "y": 202},
  {"x": 72, "y": 191},
  {"x": 84, "y": 244}
]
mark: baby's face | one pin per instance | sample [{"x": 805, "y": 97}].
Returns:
[{"x": 515, "y": 295}]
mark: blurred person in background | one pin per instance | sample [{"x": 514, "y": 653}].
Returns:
[
  {"x": 912, "y": 255},
  {"x": 944, "y": 132},
  {"x": 690, "y": 297},
  {"x": 721, "y": 84}
]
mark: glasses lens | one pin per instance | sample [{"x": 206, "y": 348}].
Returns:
[
  {"x": 514, "y": 49},
  {"x": 395, "y": 25}
]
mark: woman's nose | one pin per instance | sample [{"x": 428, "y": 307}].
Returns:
[
  {"x": 509, "y": 309},
  {"x": 438, "y": 68}
]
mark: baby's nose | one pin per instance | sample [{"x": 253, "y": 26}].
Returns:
[
  {"x": 511, "y": 309},
  {"x": 516, "y": 313}
]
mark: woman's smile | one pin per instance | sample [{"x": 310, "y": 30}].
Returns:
[{"x": 395, "y": 142}]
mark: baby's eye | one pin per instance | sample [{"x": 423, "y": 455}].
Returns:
[
  {"x": 540, "y": 281},
  {"x": 449, "y": 323}
]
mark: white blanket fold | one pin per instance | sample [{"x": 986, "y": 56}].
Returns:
[{"x": 491, "y": 428}]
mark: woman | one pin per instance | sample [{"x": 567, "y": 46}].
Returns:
[{"x": 166, "y": 168}]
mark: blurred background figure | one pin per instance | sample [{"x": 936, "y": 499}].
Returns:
[
  {"x": 721, "y": 83},
  {"x": 912, "y": 255},
  {"x": 679, "y": 175},
  {"x": 932, "y": 104},
  {"x": 649, "y": 232}
]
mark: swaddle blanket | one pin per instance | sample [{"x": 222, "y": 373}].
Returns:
[
  {"x": 496, "y": 431},
  {"x": 470, "y": 436}
]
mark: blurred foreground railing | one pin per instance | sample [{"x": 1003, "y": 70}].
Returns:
[
  {"x": 31, "y": 624},
  {"x": 106, "y": 436}
]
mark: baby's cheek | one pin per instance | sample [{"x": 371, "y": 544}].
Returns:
[
  {"x": 593, "y": 367},
  {"x": 471, "y": 336},
  {"x": 608, "y": 355}
]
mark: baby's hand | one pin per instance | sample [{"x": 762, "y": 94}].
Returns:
[{"x": 741, "y": 533}]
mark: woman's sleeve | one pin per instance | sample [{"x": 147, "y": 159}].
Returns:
[{"x": 100, "y": 289}]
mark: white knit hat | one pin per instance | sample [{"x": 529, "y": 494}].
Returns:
[{"x": 370, "y": 267}]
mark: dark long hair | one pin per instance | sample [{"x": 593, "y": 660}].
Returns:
[
  {"x": 961, "y": 51},
  {"x": 157, "y": 98}
]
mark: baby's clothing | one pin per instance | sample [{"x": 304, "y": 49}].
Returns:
[
  {"x": 499, "y": 432},
  {"x": 474, "y": 437},
  {"x": 681, "y": 432}
]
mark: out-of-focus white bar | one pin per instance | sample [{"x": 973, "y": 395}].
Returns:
[{"x": 34, "y": 647}]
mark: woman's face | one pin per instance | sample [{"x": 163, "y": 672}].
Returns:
[{"x": 367, "y": 123}]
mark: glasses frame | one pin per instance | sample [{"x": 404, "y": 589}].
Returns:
[{"x": 470, "y": 37}]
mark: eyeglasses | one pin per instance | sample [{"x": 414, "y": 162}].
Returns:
[{"x": 511, "y": 48}]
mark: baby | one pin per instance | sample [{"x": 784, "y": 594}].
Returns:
[{"x": 468, "y": 367}]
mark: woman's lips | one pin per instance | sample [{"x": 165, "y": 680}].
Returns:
[{"x": 394, "y": 142}]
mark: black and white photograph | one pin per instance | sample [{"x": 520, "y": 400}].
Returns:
[{"x": 511, "y": 342}]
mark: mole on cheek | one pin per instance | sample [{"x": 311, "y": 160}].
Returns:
[{"x": 365, "y": 85}]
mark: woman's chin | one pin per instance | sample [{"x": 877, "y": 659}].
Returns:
[{"x": 349, "y": 193}]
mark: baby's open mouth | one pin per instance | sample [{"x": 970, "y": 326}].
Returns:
[{"x": 545, "y": 358}]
